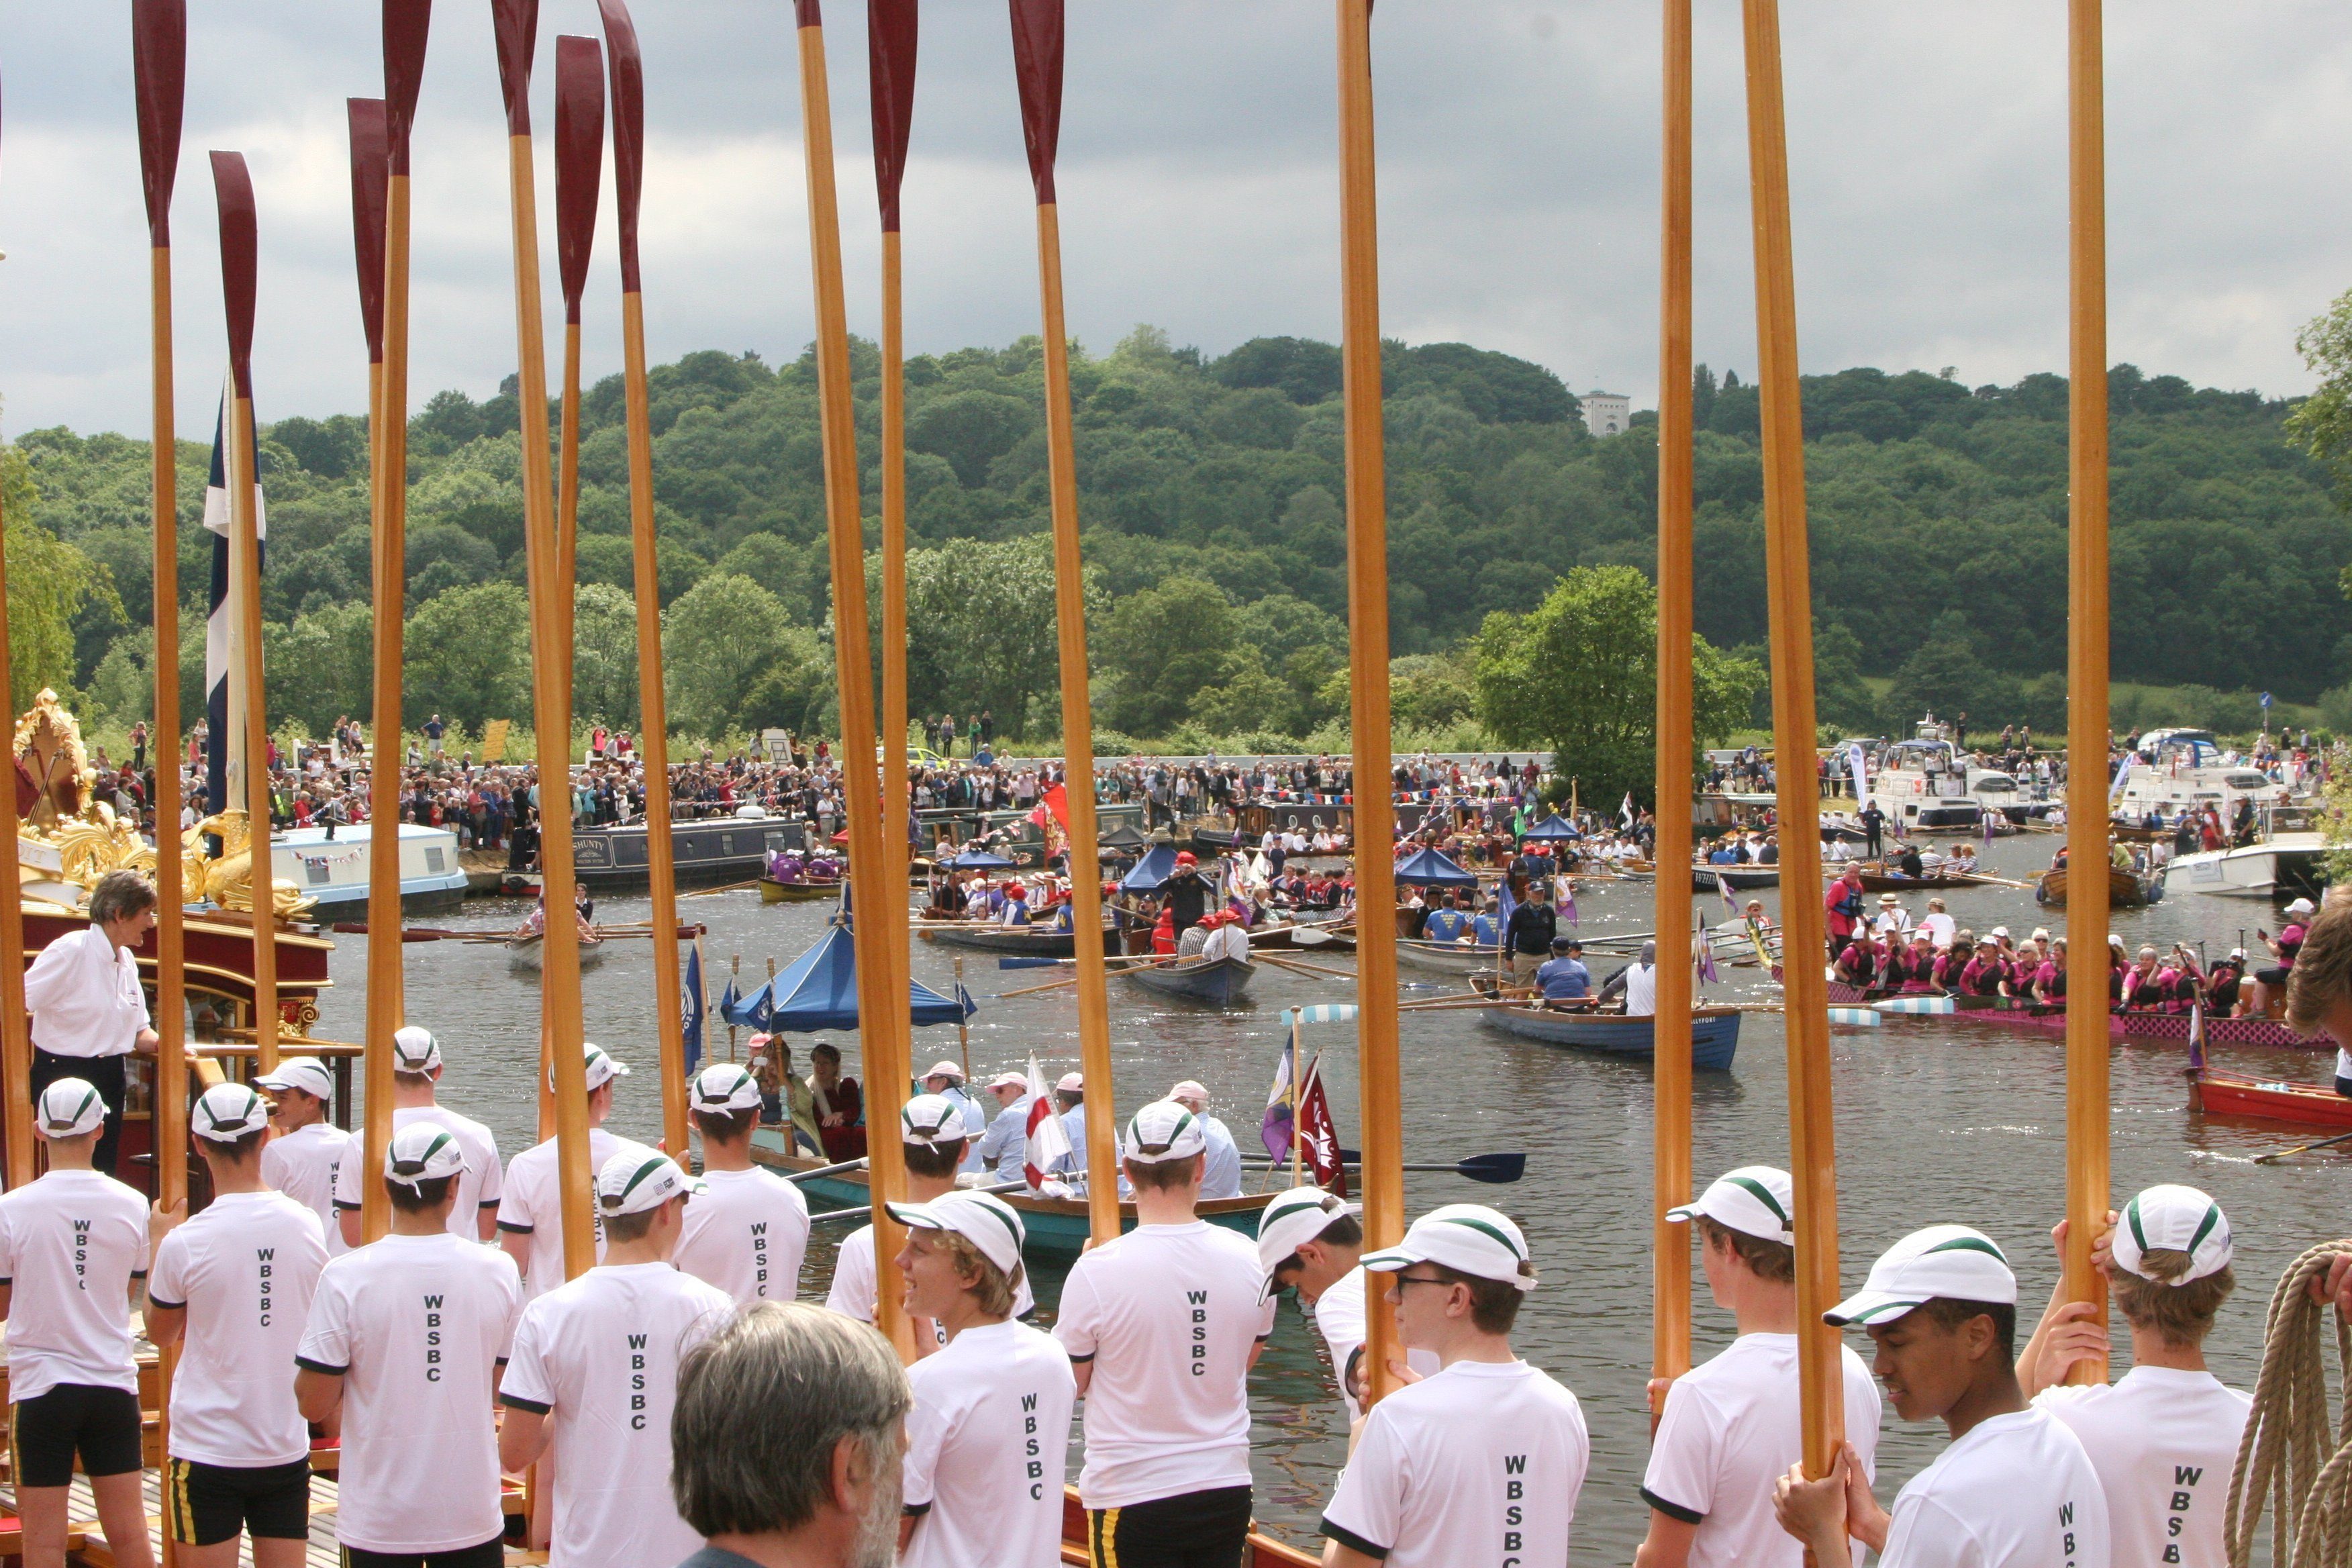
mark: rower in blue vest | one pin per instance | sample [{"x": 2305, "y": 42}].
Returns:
[
  {"x": 1563, "y": 977},
  {"x": 1486, "y": 930},
  {"x": 1446, "y": 922}
]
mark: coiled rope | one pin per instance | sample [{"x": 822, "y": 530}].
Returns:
[{"x": 2297, "y": 1455}]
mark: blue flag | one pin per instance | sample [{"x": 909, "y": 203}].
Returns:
[{"x": 693, "y": 1008}]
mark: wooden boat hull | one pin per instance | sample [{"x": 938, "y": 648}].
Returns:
[
  {"x": 1034, "y": 942},
  {"x": 1055, "y": 1228},
  {"x": 2216, "y": 1093},
  {"x": 774, "y": 892},
  {"x": 1220, "y": 982},
  {"x": 1895, "y": 882},
  {"x": 525, "y": 955},
  {"x": 1741, "y": 878},
  {"x": 1445, "y": 957},
  {"x": 1714, "y": 1032},
  {"x": 2222, "y": 1031},
  {"x": 2125, "y": 890},
  {"x": 1989, "y": 1012}
]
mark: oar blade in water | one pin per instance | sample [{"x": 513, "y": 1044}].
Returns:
[{"x": 1494, "y": 1169}]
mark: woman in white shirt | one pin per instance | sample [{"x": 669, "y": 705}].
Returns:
[{"x": 88, "y": 1010}]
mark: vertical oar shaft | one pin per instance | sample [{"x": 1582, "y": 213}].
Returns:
[
  {"x": 1368, "y": 643},
  {"x": 1813, "y": 1153},
  {"x": 171, "y": 1141},
  {"x": 2086, "y": 670},
  {"x": 883, "y": 1005},
  {"x": 16, "y": 1039},
  {"x": 1671, "y": 1134},
  {"x": 894, "y": 607},
  {"x": 244, "y": 558},
  {"x": 1077, "y": 744}
]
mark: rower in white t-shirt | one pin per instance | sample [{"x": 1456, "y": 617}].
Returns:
[
  {"x": 1162, "y": 1326},
  {"x": 747, "y": 1229},
  {"x": 2164, "y": 1436},
  {"x": 74, "y": 1245},
  {"x": 595, "y": 1373},
  {"x": 1482, "y": 1460},
  {"x": 301, "y": 1161},
  {"x": 1731, "y": 1427},
  {"x": 988, "y": 1437},
  {"x": 2015, "y": 1488},
  {"x": 236, "y": 1282},
  {"x": 931, "y": 1135},
  {"x": 530, "y": 1215},
  {"x": 1312, "y": 1239},
  {"x": 405, "y": 1337},
  {"x": 415, "y": 1075},
  {"x": 1222, "y": 1176},
  {"x": 946, "y": 1079}
]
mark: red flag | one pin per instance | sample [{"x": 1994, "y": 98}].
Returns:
[
  {"x": 1319, "y": 1137},
  {"x": 1056, "y": 801}
]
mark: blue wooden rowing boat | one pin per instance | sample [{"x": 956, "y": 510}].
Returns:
[
  {"x": 1714, "y": 1032},
  {"x": 1219, "y": 982}
]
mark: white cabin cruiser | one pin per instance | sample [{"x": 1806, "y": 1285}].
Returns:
[
  {"x": 2284, "y": 862},
  {"x": 330, "y": 864},
  {"x": 2173, "y": 771}
]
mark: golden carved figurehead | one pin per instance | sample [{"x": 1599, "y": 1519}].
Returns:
[{"x": 53, "y": 776}]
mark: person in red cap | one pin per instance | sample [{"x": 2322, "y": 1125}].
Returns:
[
  {"x": 1187, "y": 892},
  {"x": 1017, "y": 905}
]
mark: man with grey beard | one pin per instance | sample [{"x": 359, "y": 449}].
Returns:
[{"x": 786, "y": 1442}]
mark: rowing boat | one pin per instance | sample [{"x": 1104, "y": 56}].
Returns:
[
  {"x": 771, "y": 891},
  {"x": 1036, "y": 942},
  {"x": 1055, "y": 1228},
  {"x": 2217, "y": 1093},
  {"x": 2222, "y": 1031},
  {"x": 1739, "y": 878},
  {"x": 1220, "y": 982},
  {"x": 2125, "y": 890},
  {"x": 1895, "y": 882},
  {"x": 524, "y": 952},
  {"x": 1993, "y": 1011},
  {"x": 1445, "y": 957},
  {"x": 1714, "y": 1031}
]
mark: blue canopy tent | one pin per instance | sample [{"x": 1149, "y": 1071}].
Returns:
[
  {"x": 1551, "y": 828},
  {"x": 1149, "y": 872},
  {"x": 971, "y": 856},
  {"x": 1428, "y": 869},
  {"x": 818, "y": 990}
]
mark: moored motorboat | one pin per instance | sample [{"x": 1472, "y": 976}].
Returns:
[{"x": 1220, "y": 982}]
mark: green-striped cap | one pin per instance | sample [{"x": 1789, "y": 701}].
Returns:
[
  {"x": 1754, "y": 1200},
  {"x": 2173, "y": 1219},
  {"x": 931, "y": 1122},
  {"x": 637, "y": 1179},
  {"x": 1469, "y": 1238},
  {"x": 227, "y": 1112},
  {"x": 423, "y": 1151},
  {"x": 1164, "y": 1130},
  {"x": 69, "y": 1108},
  {"x": 1947, "y": 1262},
  {"x": 988, "y": 1222},
  {"x": 600, "y": 1069}
]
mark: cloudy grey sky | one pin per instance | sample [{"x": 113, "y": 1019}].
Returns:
[{"x": 1518, "y": 186}]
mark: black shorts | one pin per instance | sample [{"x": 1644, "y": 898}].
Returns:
[
  {"x": 204, "y": 1505},
  {"x": 2273, "y": 974},
  {"x": 1194, "y": 1530},
  {"x": 99, "y": 1423},
  {"x": 491, "y": 1553}
]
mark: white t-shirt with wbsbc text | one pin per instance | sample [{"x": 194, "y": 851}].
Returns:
[
  {"x": 746, "y": 1233},
  {"x": 2163, "y": 1441},
  {"x": 2017, "y": 1491},
  {"x": 987, "y": 1444},
  {"x": 70, "y": 1244},
  {"x": 246, "y": 1269}
]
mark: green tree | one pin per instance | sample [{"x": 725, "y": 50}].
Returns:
[
  {"x": 322, "y": 666},
  {"x": 1246, "y": 698},
  {"x": 981, "y": 625},
  {"x": 724, "y": 644},
  {"x": 1166, "y": 644},
  {"x": 48, "y": 580},
  {"x": 605, "y": 655},
  {"x": 468, "y": 657},
  {"x": 1578, "y": 674}
]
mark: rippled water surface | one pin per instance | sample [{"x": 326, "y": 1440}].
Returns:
[{"x": 1935, "y": 1122}]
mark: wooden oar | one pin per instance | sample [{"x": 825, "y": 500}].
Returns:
[
  {"x": 863, "y": 1212},
  {"x": 1293, "y": 964},
  {"x": 713, "y": 892},
  {"x": 856, "y": 1164},
  {"x": 1033, "y": 990},
  {"x": 1496, "y": 1170},
  {"x": 2278, "y": 1155}
]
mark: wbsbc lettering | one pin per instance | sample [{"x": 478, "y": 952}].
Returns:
[
  {"x": 1199, "y": 1299},
  {"x": 760, "y": 1257},
  {"x": 432, "y": 1339},
  {"x": 1034, "y": 1462},
  {"x": 262, "y": 1257},
  {"x": 1515, "y": 1491},
  {"x": 636, "y": 1382},
  {"x": 2067, "y": 1532},
  {"x": 81, "y": 1253},
  {"x": 2184, "y": 1483}
]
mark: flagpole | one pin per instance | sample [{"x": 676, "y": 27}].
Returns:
[
  {"x": 405, "y": 26},
  {"x": 1670, "y": 1336},
  {"x": 1037, "y": 35},
  {"x": 1812, "y": 1145},
  {"x": 515, "y": 22},
  {"x": 883, "y": 1002},
  {"x": 1368, "y": 643},
  {"x": 890, "y": 35},
  {"x": 2088, "y": 808},
  {"x": 626, "y": 66}
]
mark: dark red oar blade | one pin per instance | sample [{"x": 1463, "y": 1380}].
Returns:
[
  {"x": 627, "y": 70},
  {"x": 1037, "y": 66},
  {"x": 516, "y": 23},
  {"x": 240, "y": 243},
  {"x": 579, "y": 160},
  {"x": 405, "y": 25},
  {"x": 371, "y": 177},
  {"x": 158, "y": 68},
  {"x": 890, "y": 69}
]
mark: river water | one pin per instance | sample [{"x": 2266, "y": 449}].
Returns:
[{"x": 1935, "y": 1122}]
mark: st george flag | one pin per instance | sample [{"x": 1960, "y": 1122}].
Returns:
[
  {"x": 1049, "y": 1141},
  {"x": 1320, "y": 1138},
  {"x": 224, "y": 720}
]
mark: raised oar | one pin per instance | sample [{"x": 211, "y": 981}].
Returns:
[
  {"x": 1037, "y": 28},
  {"x": 516, "y": 25},
  {"x": 1813, "y": 1144},
  {"x": 628, "y": 116},
  {"x": 407, "y": 23},
  {"x": 1382, "y": 1105},
  {"x": 579, "y": 179},
  {"x": 890, "y": 69},
  {"x": 2087, "y": 1047},
  {"x": 240, "y": 245},
  {"x": 881, "y": 989},
  {"x": 158, "y": 54}
]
